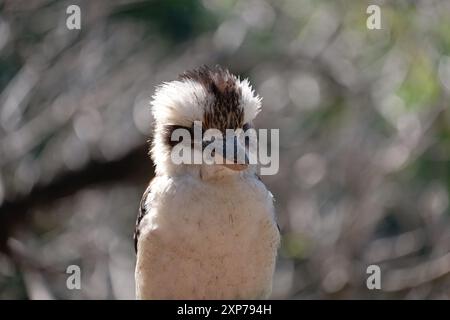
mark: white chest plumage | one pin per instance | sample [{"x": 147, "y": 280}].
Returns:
[{"x": 214, "y": 239}]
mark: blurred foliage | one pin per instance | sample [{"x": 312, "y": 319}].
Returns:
[{"x": 177, "y": 20}]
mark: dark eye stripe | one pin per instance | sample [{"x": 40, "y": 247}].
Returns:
[{"x": 170, "y": 128}]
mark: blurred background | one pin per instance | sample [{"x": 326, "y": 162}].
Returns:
[{"x": 364, "y": 125}]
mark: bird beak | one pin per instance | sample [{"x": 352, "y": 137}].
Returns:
[{"x": 234, "y": 154}]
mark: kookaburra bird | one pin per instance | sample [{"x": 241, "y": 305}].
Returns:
[{"x": 204, "y": 231}]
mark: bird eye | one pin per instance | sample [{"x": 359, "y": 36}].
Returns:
[{"x": 246, "y": 126}]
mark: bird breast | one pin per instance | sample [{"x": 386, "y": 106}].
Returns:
[{"x": 207, "y": 240}]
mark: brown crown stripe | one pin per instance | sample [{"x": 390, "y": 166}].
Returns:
[{"x": 225, "y": 111}]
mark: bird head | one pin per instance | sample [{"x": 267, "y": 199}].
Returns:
[{"x": 213, "y": 98}]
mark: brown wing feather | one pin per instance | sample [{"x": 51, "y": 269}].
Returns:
[{"x": 141, "y": 214}]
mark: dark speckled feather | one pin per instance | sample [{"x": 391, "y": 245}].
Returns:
[
  {"x": 225, "y": 111},
  {"x": 141, "y": 214}
]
